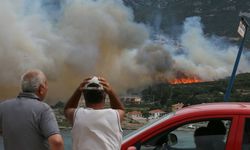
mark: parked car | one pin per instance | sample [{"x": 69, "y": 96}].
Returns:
[
  {"x": 218, "y": 126},
  {"x": 191, "y": 126}
]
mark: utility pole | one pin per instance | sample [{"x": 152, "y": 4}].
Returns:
[{"x": 242, "y": 30}]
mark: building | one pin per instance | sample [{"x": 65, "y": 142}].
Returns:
[
  {"x": 156, "y": 113},
  {"x": 131, "y": 99},
  {"x": 177, "y": 106},
  {"x": 136, "y": 115}
]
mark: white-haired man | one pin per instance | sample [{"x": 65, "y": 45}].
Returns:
[{"x": 26, "y": 122}]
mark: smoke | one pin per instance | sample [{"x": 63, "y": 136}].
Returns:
[
  {"x": 209, "y": 58},
  {"x": 68, "y": 40},
  {"x": 192, "y": 55},
  {"x": 73, "y": 39}
]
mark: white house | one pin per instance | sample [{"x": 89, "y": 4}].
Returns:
[
  {"x": 156, "y": 113},
  {"x": 136, "y": 115},
  {"x": 131, "y": 99}
]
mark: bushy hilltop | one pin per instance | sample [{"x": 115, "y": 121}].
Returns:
[
  {"x": 220, "y": 17},
  {"x": 196, "y": 93}
]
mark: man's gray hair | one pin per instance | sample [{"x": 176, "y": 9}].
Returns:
[{"x": 31, "y": 80}]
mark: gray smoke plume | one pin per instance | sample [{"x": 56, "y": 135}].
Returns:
[
  {"x": 76, "y": 40},
  {"x": 193, "y": 54},
  {"x": 209, "y": 58}
]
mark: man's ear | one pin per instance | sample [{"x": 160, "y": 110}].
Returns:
[{"x": 40, "y": 89}]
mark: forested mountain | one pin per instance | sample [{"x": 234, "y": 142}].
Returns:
[{"x": 220, "y": 17}]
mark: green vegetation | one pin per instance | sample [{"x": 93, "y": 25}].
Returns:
[{"x": 166, "y": 94}]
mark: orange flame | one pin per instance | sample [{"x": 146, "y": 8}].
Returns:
[{"x": 186, "y": 80}]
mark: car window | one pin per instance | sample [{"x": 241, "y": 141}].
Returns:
[
  {"x": 246, "y": 135},
  {"x": 161, "y": 119},
  {"x": 205, "y": 135}
]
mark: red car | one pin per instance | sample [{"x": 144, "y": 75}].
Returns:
[{"x": 211, "y": 126}]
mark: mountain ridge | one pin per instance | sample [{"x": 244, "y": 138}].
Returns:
[{"x": 220, "y": 18}]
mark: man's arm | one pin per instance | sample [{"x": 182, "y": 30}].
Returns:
[
  {"x": 73, "y": 101},
  {"x": 71, "y": 105},
  {"x": 56, "y": 142},
  {"x": 115, "y": 102},
  {"x": 49, "y": 128}
]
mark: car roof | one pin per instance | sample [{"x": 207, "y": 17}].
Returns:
[
  {"x": 210, "y": 110},
  {"x": 217, "y": 108}
]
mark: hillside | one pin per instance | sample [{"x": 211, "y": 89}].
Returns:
[
  {"x": 167, "y": 94},
  {"x": 219, "y": 17}
]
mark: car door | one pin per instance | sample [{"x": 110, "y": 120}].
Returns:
[
  {"x": 187, "y": 134},
  {"x": 243, "y": 134}
]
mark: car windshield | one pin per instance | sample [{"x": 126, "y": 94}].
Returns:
[{"x": 161, "y": 119}]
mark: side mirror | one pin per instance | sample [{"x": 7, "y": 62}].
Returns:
[
  {"x": 131, "y": 148},
  {"x": 172, "y": 139}
]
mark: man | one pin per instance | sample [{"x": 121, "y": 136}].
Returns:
[
  {"x": 26, "y": 122},
  {"x": 95, "y": 128}
]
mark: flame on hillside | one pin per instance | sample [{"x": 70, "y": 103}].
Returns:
[
  {"x": 185, "y": 80},
  {"x": 181, "y": 78}
]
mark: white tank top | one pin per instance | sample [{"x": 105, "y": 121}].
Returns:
[{"x": 96, "y": 129}]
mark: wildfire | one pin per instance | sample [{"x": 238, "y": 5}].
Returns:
[{"x": 185, "y": 80}]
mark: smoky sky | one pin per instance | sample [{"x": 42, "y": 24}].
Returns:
[{"x": 73, "y": 39}]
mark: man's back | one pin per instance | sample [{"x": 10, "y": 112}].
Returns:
[
  {"x": 25, "y": 123},
  {"x": 96, "y": 129}
]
